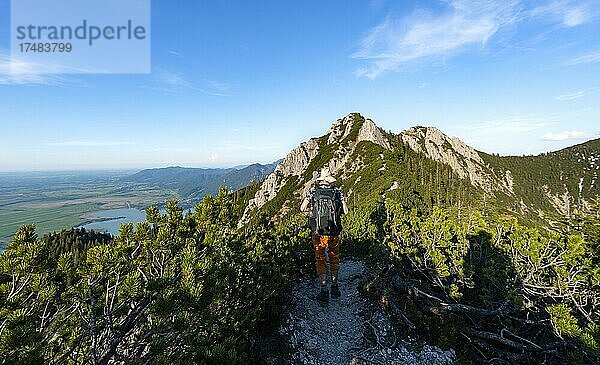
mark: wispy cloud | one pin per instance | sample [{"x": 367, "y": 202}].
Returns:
[
  {"x": 569, "y": 12},
  {"x": 220, "y": 87},
  {"x": 174, "y": 53},
  {"x": 510, "y": 125},
  {"x": 575, "y": 95},
  {"x": 593, "y": 57},
  {"x": 175, "y": 82},
  {"x": 18, "y": 72},
  {"x": 88, "y": 143},
  {"x": 396, "y": 42},
  {"x": 229, "y": 145},
  {"x": 169, "y": 149},
  {"x": 564, "y": 136},
  {"x": 423, "y": 36}
]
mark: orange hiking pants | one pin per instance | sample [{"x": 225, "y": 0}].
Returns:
[{"x": 320, "y": 243}]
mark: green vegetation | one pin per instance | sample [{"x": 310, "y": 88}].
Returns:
[
  {"x": 54, "y": 201},
  {"x": 193, "y": 288},
  {"x": 179, "y": 289},
  {"x": 419, "y": 182},
  {"x": 285, "y": 196},
  {"x": 555, "y": 173},
  {"x": 325, "y": 154},
  {"x": 47, "y": 219},
  {"x": 511, "y": 291}
]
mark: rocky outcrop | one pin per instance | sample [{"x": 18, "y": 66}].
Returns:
[
  {"x": 464, "y": 160},
  {"x": 369, "y": 131},
  {"x": 561, "y": 202},
  {"x": 294, "y": 164}
]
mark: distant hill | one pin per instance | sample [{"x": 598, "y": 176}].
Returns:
[{"x": 194, "y": 183}]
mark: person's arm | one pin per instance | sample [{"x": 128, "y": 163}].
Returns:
[
  {"x": 343, "y": 199},
  {"x": 307, "y": 202},
  {"x": 304, "y": 207}
]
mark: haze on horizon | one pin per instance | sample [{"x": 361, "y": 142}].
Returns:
[{"x": 236, "y": 83}]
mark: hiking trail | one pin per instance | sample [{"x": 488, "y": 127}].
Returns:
[{"x": 343, "y": 331}]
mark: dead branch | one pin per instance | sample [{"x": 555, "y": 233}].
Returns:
[
  {"x": 489, "y": 336},
  {"x": 398, "y": 313}
]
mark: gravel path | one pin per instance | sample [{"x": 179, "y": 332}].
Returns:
[{"x": 338, "y": 332}]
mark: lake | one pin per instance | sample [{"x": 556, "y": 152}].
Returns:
[{"x": 112, "y": 219}]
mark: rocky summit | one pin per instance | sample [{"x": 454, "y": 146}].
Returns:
[{"x": 342, "y": 136}]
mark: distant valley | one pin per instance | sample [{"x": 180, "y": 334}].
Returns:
[{"x": 57, "y": 200}]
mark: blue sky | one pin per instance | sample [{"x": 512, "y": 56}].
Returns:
[{"x": 237, "y": 82}]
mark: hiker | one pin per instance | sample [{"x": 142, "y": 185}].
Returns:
[{"x": 326, "y": 204}]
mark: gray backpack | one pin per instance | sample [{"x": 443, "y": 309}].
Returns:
[{"x": 325, "y": 217}]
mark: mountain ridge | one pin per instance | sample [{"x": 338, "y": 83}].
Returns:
[
  {"x": 194, "y": 183},
  {"x": 525, "y": 186}
]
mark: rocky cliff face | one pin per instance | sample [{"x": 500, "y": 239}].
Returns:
[
  {"x": 294, "y": 164},
  {"x": 463, "y": 159}
]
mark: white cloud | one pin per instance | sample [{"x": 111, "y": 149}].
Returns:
[
  {"x": 575, "y": 95},
  {"x": 169, "y": 149},
  {"x": 174, "y": 53},
  {"x": 88, "y": 143},
  {"x": 570, "y": 96},
  {"x": 214, "y": 157},
  {"x": 220, "y": 87},
  {"x": 176, "y": 81},
  {"x": 424, "y": 36},
  {"x": 569, "y": 12},
  {"x": 18, "y": 72},
  {"x": 564, "y": 136},
  {"x": 394, "y": 43},
  {"x": 510, "y": 125},
  {"x": 593, "y": 57},
  {"x": 575, "y": 17}
]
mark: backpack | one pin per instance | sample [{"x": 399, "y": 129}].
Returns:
[{"x": 325, "y": 217}]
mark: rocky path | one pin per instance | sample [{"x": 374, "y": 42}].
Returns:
[{"x": 343, "y": 332}]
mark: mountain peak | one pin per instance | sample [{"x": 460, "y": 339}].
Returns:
[
  {"x": 463, "y": 159},
  {"x": 435, "y": 143},
  {"x": 357, "y": 128},
  {"x": 334, "y": 150}
]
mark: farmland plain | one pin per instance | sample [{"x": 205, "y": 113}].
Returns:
[{"x": 57, "y": 200}]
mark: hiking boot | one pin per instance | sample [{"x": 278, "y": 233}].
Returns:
[
  {"x": 335, "y": 291},
  {"x": 323, "y": 295}
]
